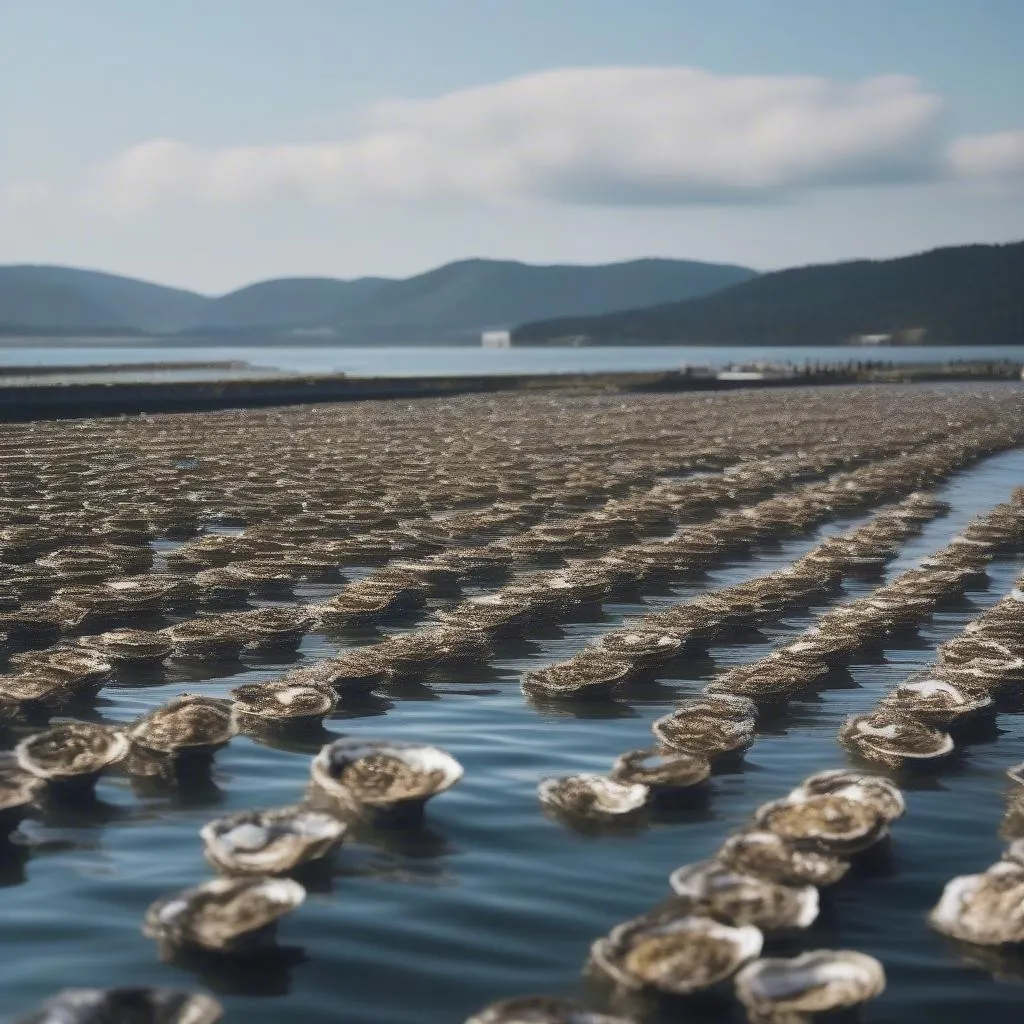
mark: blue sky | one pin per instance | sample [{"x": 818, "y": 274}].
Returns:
[{"x": 208, "y": 144}]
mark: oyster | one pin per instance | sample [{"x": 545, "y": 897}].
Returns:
[
  {"x": 382, "y": 776},
  {"x": 660, "y": 770},
  {"x": 71, "y": 753},
  {"x": 894, "y": 739},
  {"x": 82, "y": 669},
  {"x": 714, "y": 728},
  {"x": 677, "y": 955},
  {"x": 588, "y": 795},
  {"x": 187, "y": 724},
  {"x": 835, "y": 824},
  {"x": 640, "y": 645},
  {"x": 767, "y": 855},
  {"x": 205, "y": 639},
  {"x": 284, "y": 701},
  {"x": 935, "y": 701},
  {"x": 987, "y": 909},
  {"x": 126, "y": 1006},
  {"x": 883, "y": 796},
  {"x": 225, "y": 914},
  {"x": 270, "y": 628},
  {"x": 743, "y": 899},
  {"x": 539, "y": 1010},
  {"x": 270, "y": 842},
  {"x": 589, "y": 673},
  {"x": 789, "y": 991},
  {"x": 130, "y": 646}
]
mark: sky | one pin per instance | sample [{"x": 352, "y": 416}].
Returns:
[{"x": 211, "y": 143}]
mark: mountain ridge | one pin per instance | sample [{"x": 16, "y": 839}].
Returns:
[
  {"x": 445, "y": 303},
  {"x": 969, "y": 294}
]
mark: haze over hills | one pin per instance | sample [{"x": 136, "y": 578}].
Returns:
[
  {"x": 454, "y": 302},
  {"x": 972, "y": 294}
]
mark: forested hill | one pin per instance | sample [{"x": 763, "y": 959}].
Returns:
[{"x": 972, "y": 294}]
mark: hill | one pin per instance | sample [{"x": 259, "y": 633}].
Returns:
[
  {"x": 43, "y": 298},
  {"x": 450, "y": 303},
  {"x": 969, "y": 294},
  {"x": 474, "y": 295},
  {"x": 287, "y": 303}
]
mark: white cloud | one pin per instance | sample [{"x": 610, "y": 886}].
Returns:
[
  {"x": 25, "y": 194},
  {"x": 669, "y": 136},
  {"x": 996, "y": 159}
]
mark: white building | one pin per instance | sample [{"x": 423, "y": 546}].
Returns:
[{"x": 496, "y": 339}]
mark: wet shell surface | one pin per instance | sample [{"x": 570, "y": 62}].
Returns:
[
  {"x": 987, "y": 909},
  {"x": 18, "y": 788},
  {"x": 222, "y": 914},
  {"x": 936, "y": 701},
  {"x": 187, "y": 723},
  {"x": 658, "y": 769},
  {"x": 383, "y": 775},
  {"x": 743, "y": 899},
  {"x": 697, "y": 727},
  {"x": 894, "y": 739},
  {"x": 590, "y": 673},
  {"x": 587, "y": 796},
  {"x": 823, "y": 981},
  {"x": 135, "y": 646},
  {"x": 126, "y": 1006},
  {"x": 769, "y": 856},
  {"x": 284, "y": 701},
  {"x": 678, "y": 956},
  {"x": 71, "y": 750},
  {"x": 646, "y": 645},
  {"x": 879, "y": 793},
  {"x": 830, "y": 824},
  {"x": 539, "y": 1010},
  {"x": 270, "y": 842}
]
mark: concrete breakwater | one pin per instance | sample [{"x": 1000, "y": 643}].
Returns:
[{"x": 33, "y": 401}]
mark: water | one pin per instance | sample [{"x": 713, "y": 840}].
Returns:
[
  {"x": 415, "y": 360},
  {"x": 491, "y": 898}
]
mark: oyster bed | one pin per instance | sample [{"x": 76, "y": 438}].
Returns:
[{"x": 393, "y": 520}]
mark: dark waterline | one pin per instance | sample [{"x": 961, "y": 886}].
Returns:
[{"x": 490, "y": 898}]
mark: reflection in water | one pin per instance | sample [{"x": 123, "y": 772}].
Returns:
[
  {"x": 594, "y": 710},
  {"x": 262, "y": 972}
]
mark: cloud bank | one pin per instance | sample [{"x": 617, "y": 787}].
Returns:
[{"x": 595, "y": 136}]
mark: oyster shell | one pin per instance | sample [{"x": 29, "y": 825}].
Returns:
[
  {"x": 767, "y": 855},
  {"x": 18, "y": 789},
  {"x": 676, "y": 955},
  {"x": 383, "y": 776},
  {"x": 224, "y": 914},
  {"x": 187, "y": 724},
  {"x": 284, "y": 701},
  {"x": 126, "y": 1006},
  {"x": 834, "y": 824},
  {"x": 986, "y": 909},
  {"x": 640, "y": 645},
  {"x": 589, "y": 795},
  {"x": 743, "y": 899},
  {"x": 71, "y": 752},
  {"x": 131, "y": 646},
  {"x": 590, "y": 673},
  {"x": 935, "y": 701},
  {"x": 660, "y": 770},
  {"x": 882, "y": 795},
  {"x": 714, "y": 728},
  {"x": 205, "y": 639},
  {"x": 894, "y": 739},
  {"x": 270, "y": 842},
  {"x": 778, "y": 991}
]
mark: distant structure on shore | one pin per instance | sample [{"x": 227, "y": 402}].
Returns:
[
  {"x": 906, "y": 336},
  {"x": 496, "y": 339}
]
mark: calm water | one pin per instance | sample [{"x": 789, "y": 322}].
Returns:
[
  {"x": 384, "y": 360},
  {"x": 491, "y": 898}
]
